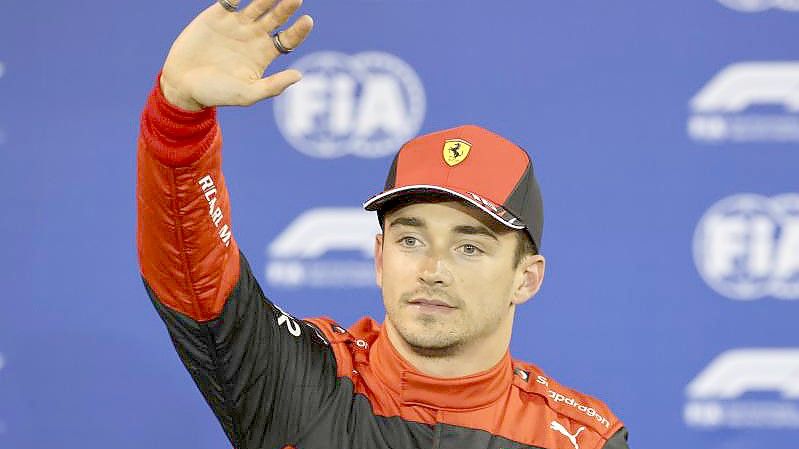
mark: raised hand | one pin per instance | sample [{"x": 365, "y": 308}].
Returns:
[{"x": 220, "y": 57}]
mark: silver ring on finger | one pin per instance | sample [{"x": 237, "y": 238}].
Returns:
[
  {"x": 228, "y": 5},
  {"x": 279, "y": 45}
]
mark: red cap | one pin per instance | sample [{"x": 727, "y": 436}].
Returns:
[{"x": 472, "y": 164}]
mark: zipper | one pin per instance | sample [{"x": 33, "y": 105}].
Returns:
[{"x": 437, "y": 430}]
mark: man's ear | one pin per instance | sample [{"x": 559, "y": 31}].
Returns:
[
  {"x": 529, "y": 276},
  {"x": 379, "y": 260}
]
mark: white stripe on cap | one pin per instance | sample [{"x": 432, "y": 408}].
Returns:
[{"x": 474, "y": 201}]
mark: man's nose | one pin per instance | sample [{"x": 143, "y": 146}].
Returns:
[{"x": 434, "y": 271}]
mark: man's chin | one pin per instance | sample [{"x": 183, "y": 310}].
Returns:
[
  {"x": 429, "y": 335},
  {"x": 430, "y": 342},
  {"x": 434, "y": 350}
]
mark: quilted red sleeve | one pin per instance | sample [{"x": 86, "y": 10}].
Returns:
[{"x": 187, "y": 252}]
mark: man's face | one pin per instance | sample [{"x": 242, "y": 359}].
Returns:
[{"x": 447, "y": 274}]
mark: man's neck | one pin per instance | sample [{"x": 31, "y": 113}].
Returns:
[{"x": 470, "y": 359}]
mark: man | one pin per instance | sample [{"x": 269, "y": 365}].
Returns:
[{"x": 461, "y": 217}]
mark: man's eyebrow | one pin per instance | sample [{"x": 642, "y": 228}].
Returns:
[
  {"x": 475, "y": 230},
  {"x": 407, "y": 221},
  {"x": 461, "y": 229}
]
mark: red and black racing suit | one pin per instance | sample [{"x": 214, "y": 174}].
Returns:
[{"x": 274, "y": 381}]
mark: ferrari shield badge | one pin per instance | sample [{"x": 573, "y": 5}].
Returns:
[{"x": 455, "y": 151}]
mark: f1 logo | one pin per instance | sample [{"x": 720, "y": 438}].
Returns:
[
  {"x": 739, "y": 371},
  {"x": 741, "y": 85},
  {"x": 761, "y": 5},
  {"x": 318, "y": 231}
]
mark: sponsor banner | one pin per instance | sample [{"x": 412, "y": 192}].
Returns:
[
  {"x": 761, "y": 5},
  {"x": 748, "y": 102},
  {"x": 746, "y": 388},
  {"x": 325, "y": 247},
  {"x": 746, "y": 246},
  {"x": 561, "y": 398},
  {"x": 366, "y": 105}
]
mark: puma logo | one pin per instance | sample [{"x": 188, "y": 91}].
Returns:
[{"x": 556, "y": 426}]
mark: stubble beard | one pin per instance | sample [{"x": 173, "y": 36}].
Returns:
[
  {"x": 431, "y": 335},
  {"x": 441, "y": 336}
]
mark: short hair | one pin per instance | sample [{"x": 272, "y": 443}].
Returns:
[{"x": 524, "y": 247}]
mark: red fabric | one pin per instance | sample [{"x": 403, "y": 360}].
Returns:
[
  {"x": 182, "y": 254},
  {"x": 499, "y": 400},
  {"x": 175, "y": 136},
  {"x": 491, "y": 169}
]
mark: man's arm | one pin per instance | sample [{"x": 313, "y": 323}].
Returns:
[{"x": 263, "y": 373}]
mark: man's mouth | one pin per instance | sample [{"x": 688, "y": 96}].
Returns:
[{"x": 431, "y": 305}]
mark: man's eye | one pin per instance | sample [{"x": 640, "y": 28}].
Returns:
[
  {"x": 409, "y": 241},
  {"x": 470, "y": 250}
]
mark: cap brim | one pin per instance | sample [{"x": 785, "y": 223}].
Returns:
[{"x": 377, "y": 201}]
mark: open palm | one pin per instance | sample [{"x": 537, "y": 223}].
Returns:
[{"x": 220, "y": 57}]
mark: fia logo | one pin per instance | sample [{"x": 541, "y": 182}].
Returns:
[
  {"x": 324, "y": 247},
  {"x": 746, "y": 246},
  {"x": 715, "y": 395},
  {"x": 761, "y": 5},
  {"x": 366, "y": 105},
  {"x": 724, "y": 109}
]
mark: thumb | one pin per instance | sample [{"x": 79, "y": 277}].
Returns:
[{"x": 273, "y": 85}]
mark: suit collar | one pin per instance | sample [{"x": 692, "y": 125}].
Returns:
[{"x": 413, "y": 387}]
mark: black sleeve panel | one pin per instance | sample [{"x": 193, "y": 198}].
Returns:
[
  {"x": 264, "y": 373},
  {"x": 618, "y": 440}
]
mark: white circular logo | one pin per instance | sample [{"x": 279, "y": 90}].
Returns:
[
  {"x": 747, "y": 246},
  {"x": 367, "y": 105},
  {"x": 761, "y": 5}
]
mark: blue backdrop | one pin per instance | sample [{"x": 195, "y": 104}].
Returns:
[{"x": 664, "y": 136}]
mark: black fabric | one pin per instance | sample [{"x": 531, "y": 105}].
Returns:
[
  {"x": 367, "y": 431},
  {"x": 618, "y": 440},
  {"x": 525, "y": 202},
  {"x": 263, "y": 384},
  {"x": 391, "y": 178},
  {"x": 456, "y": 437},
  {"x": 350, "y": 423}
]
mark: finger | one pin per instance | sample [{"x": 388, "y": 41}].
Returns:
[
  {"x": 278, "y": 15},
  {"x": 293, "y": 36},
  {"x": 220, "y": 10},
  {"x": 257, "y": 8},
  {"x": 272, "y": 85}
]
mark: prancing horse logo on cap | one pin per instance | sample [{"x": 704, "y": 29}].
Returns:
[{"x": 455, "y": 151}]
